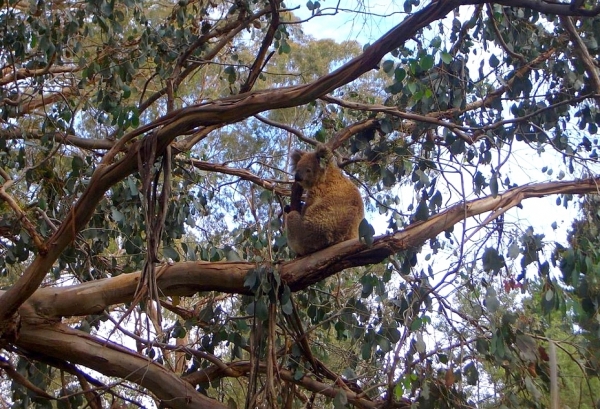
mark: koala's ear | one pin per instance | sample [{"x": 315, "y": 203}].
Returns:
[
  {"x": 295, "y": 157},
  {"x": 324, "y": 155}
]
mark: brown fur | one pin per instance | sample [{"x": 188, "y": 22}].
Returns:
[{"x": 333, "y": 208}]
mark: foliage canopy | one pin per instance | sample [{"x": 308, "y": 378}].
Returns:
[{"x": 151, "y": 139}]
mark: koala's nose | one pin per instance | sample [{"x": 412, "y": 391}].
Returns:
[{"x": 298, "y": 177}]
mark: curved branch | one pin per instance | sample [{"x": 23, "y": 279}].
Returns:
[
  {"x": 345, "y": 134},
  {"x": 241, "y": 173},
  {"x": 583, "y": 53},
  {"x": 188, "y": 278},
  {"x": 261, "y": 58},
  {"x": 23, "y": 73},
  {"x": 58, "y": 341},
  {"x": 60, "y": 137}
]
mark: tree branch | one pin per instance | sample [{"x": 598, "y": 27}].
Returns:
[
  {"x": 188, "y": 278},
  {"x": 60, "y": 137},
  {"x": 241, "y": 173},
  {"x": 583, "y": 53},
  {"x": 261, "y": 58},
  {"x": 58, "y": 341}
]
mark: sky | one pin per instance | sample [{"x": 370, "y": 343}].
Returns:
[{"x": 353, "y": 20}]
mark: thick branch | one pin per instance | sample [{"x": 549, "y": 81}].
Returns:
[
  {"x": 183, "y": 279},
  {"x": 228, "y": 277},
  {"x": 352, "y": 253},
  {"x": 61, "y": 342}
]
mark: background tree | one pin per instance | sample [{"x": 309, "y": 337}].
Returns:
[{"x": 144, "y": 156}]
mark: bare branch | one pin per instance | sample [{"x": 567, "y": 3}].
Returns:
[
  {"x": 58, "y": 341},
  {"x": 67, "y": 139},
  {"x": 20, "y": 379},
  {"x": 261, "y": 58},
  {"x": 580, "y": 49},
  {"x": 242, "y": 173}
]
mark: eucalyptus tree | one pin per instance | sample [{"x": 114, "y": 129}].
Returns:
[{"x": 143, "y": 157}]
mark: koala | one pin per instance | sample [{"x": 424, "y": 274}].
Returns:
[{"x": 333, "y": 208}]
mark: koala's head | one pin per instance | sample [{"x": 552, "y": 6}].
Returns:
[{"x": 309, "y": 167}]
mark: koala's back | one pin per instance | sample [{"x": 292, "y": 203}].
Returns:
[{"x": 333, "y": 209}]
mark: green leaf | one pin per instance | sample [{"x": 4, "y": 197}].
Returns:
[
  {"x": 77, "y": 164},
  {"x": 492, "y": 260},
  {"x": 416, "y": 324},
  {"x": 132, "y": 186},
  {"x": 399, "y": 74},
  {"x": 365, "y": 351},
  {"x": 422, "y": 211},
  {"x": 472, "y": 374},
  {"x": 427, "y": 62},
  {"x": 116, "y": 215},
  {"x": 366, "y": 232},
  {"x": 548, "y": 301},
  {"x": 341, "y": 400},
  {"x": 494, "y": 61},
  {"x": 285, "y": 48},
  {"x": 513, "y": 250},
  {"x": 386, "y": 125},
  {"x": 494, "y": 185},
  {"x": 420, "y": 344},
  {"x": 532, "y": 388},
  {"x": 491, "y": 301},
  {"x": 482, "y": 346},
  {"x": 447, "y": 57},
  {"x": 251, "y": 280},
  {"x": 261, "y": 310},
  {"x": 398, "y": 391},
  {"x": 387, "y": 66},
  {"x": 527, "y": 347},
  {"x": 170, "y": 252},
  {"x": 436, "y": 42},
  {"x": 286, "y": 300}
]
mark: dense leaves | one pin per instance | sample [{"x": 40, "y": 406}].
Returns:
[{"x": 115, "y": 114}]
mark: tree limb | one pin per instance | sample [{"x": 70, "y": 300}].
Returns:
[
  {"x": 61, "y": 342},
  {"x": 188, "y": 278}
]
